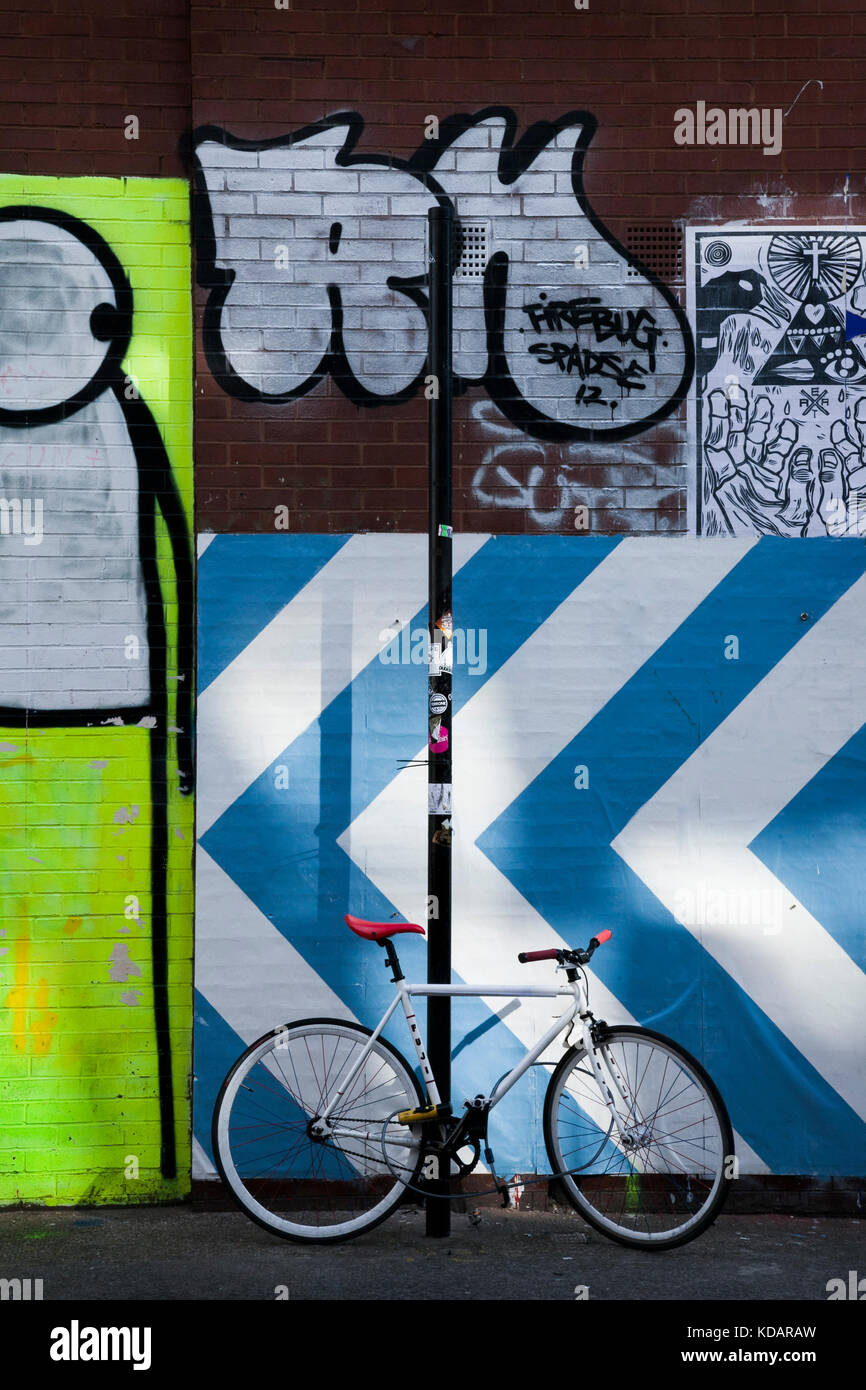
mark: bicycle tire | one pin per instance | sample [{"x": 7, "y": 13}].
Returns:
[
  {"x": 653, "y": 1186},
  {"x": 321, "y": 1192}
]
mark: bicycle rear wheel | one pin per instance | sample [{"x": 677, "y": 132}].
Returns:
[
  {"x": 667, "y": 1181},
  {"x": 297, "y": 1185}
]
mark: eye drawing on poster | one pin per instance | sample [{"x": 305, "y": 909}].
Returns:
[
  {"x": 778, "y": 418},
  {"x": 314, "y": 255},
  {"x": 85, "y": 451}
]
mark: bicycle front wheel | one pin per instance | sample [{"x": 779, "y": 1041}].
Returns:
[
  {"x": 661, "y": 1181},
  {"x": 287, "y": 1178}
]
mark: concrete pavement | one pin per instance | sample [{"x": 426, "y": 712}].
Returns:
[{"x": 179, "y": 1253}]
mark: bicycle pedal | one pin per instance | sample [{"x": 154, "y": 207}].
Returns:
[{"x": 424, "y": 1114}]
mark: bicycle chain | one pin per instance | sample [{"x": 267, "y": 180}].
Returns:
[{"x": 485, "y": 1192}]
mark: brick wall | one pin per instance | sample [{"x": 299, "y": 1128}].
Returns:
[
  {"x": 261, "y": 72},
  {"x": 258, "y": 71}
]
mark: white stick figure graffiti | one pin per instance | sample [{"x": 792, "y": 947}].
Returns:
[{"x": 79, "y": 445}]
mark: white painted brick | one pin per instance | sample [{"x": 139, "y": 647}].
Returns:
[
  {"x": 260, "y": 271},
  {"x": 356, "y": 205},
  {"x": 327, "y": 181},
  {"x": 375, "y": 180},
  {"x": 477, "y": 183},
  {"x": 392, "y": 228},
  {"x": 290, "y": 204},
  {"x": 283, "y": 157},
  {"x": 258, "y": 227},
  {"x": 369, "y": 251},
  {"x": 325, "y": 274},
  {"x": 304, "y": 157},
  {"x": 235, "y": 203},
  {"x": 481, "y": 136},
  {"x": 474, "y": 161},
  {"x": 410, "y": 204},
  {"x": 293, "y": 293},
  {"x": 236, "y": 250},
  {"x": 299, "y": 341},
  {"x": 318, "y": 318},
  {"x": 553, "y": 205},
  {"x": 244, "y": 293},
  {"x": 214, "y": 155},
  {"x": 265, "y": 316},
  {"x": 473, "y": 205},
  {"x": 301, "y": 251}
]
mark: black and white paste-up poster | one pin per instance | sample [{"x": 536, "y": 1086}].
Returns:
[{"x": 778, "y": 404}]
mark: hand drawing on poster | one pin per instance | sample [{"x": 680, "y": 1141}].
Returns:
[{"x": 780, "y": 392}]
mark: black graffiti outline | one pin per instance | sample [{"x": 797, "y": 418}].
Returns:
[
  {"x": 334, "y": 361},
  {"x": 515, "y": 157},
  {"x": 157, "y": 488}
]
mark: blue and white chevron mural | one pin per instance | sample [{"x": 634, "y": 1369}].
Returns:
[{"x": 666, "y": 737}]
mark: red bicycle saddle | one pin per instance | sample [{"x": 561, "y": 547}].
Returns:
[{"x": 376, "y": 931}]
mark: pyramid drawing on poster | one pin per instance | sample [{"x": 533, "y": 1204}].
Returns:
[{"x": 813, "y": 349}]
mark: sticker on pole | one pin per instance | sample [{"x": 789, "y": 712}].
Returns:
[
  {"x": 438, "y": 703},
  {"x": 439, "y": 798},
  {"x": 446, "y": 532}
]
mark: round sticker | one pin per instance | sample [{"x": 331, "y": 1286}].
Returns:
[{"x": 438, "y": 703}]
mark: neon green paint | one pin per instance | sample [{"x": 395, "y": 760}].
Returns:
[{"x": 77, "y": 1048}]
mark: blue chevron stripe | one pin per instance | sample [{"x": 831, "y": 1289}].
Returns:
[
  {"x": 554, "y": 842},
  {"x": 812, "y": 843},
  {"x": 243, "y": 583}
]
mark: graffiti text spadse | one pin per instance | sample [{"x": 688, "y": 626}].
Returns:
[{"x": 77, "y": 1343}]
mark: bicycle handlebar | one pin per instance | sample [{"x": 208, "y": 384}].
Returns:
[{"x": 575, "y": 957}]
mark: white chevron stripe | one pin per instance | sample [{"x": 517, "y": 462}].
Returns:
[
  {"x": 201, "y": 1164},
  {"x": 612, "y": 623},
  {"x": 280, "y": 683},
  {"x": 689, "y": 844}
]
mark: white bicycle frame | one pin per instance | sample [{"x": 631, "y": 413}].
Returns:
[{"x": 577, "y": 1008}]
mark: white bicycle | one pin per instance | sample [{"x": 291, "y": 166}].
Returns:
[{"x": 321, "y": 1127}]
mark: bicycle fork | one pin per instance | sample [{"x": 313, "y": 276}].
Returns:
[{"x": 593, "y": 1041}]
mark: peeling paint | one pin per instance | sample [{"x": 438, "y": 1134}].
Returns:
[{"x": 121, "y": 966}]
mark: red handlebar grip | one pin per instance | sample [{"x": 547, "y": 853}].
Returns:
[
  {"x": 603, "y": 936},
  {"x": 537, "y": 955}
]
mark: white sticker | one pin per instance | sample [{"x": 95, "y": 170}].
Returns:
[
  {"x": 439, "y": 798},
  {"x": 435, "y": 659},
  {"x": 438, "y": 703}
]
